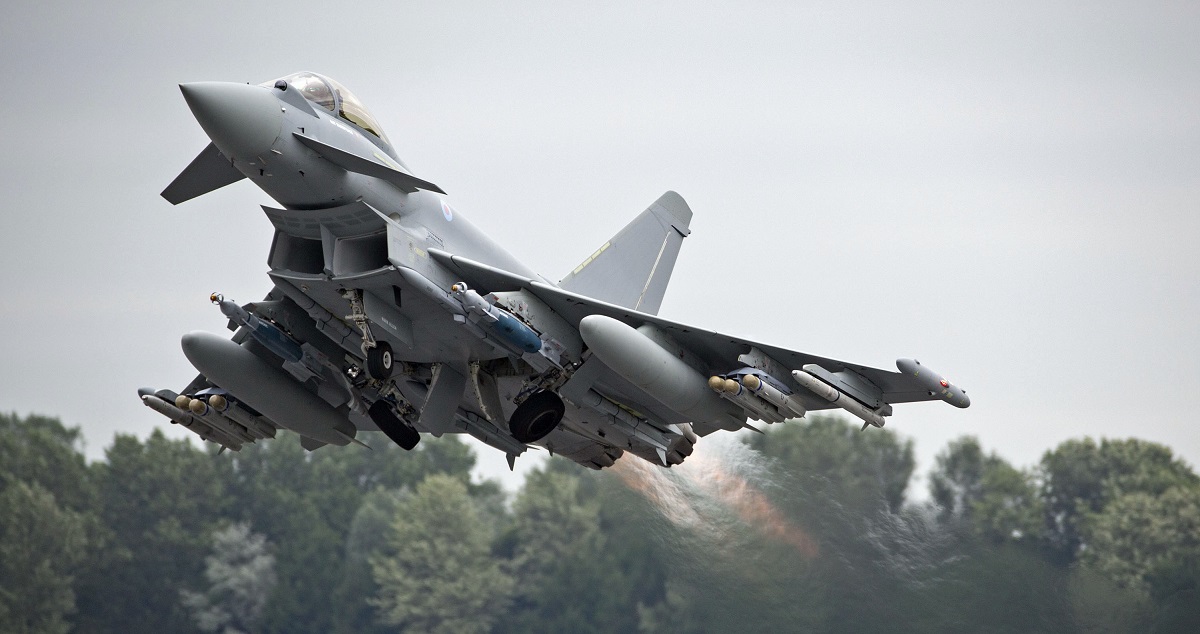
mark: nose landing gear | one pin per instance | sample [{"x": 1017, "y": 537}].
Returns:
[{"x": 380, "y": 361}]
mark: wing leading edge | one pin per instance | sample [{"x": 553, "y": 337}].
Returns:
[{"x": 717, "y": 353}]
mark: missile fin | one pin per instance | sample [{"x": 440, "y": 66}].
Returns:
[{"x": 351, "y": 438}]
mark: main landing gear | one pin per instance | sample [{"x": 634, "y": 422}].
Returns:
[
  {"x": 391, "y": 425},
  {"x": 536, "y": 417}
]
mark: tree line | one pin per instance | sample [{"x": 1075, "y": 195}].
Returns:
[{"x": 808, "y": 527}]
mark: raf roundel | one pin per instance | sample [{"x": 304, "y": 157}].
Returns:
[{"x": 447, "y": 211}]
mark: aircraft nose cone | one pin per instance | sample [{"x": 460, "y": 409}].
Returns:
[{"x": 242, "y": 120}]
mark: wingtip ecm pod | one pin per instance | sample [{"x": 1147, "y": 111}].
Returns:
[{"x": 934, "y": 383}]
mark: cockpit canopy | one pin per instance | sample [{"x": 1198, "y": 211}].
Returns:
[{"x": 334, "y": 97}]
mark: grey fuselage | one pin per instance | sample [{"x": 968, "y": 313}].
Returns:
[{"x": 317, "y": 195}]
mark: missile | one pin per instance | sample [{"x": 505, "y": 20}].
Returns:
[
  {"x": 497, "y": 321},
  {"x": 935, "y": 383},
  {"x": 266, "y": 388},
  {"x": 264, "y": 332},
  {"x": 185, "y": 419},
  {"x": 236, "y": 413},
  {"x": 662, "y": 375},
  {"x": 326, "y": 322},
  {"x": 733, "y": 391},
  {"x": 771, "y": 394},
  {"x": 627, "y": 424},
  {"x": 833, "y": 395},
  {"x": 201, "y": 410}
]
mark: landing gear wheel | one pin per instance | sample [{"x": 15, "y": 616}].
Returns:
[
  {"x": 536, "y": 417},
  {"x": 392, "y": 426},
  {"x": 380, "y": 362}
]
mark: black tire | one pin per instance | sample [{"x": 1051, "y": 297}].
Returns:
[
  {"x": 380, "y": 361},
  {"x": 536, "y": 417},
  {"x": 392, "y": 426}
]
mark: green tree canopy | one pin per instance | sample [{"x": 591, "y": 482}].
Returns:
[
  {"x": 438, "y": 574},
  {"x": 1080, "y": 477},
  {"x": 43, "y": 450},
  {"x": 240, "y": 573},
  {"x": 40, "y": 546},
  {"x": 985, "y": 493},
  {"x": 1139, "y": 538},
  {"x": 160, "y": 499}
]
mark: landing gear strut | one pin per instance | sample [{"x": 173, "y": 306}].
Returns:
[
  {"x": 536, "y": 417},
  {"x": 378, "y": 353}
]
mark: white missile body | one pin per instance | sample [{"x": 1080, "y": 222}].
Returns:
[
  {"x": 733, "y": 391},
  {"x": 837, "y": 397},
  {"x": 769, "y": 393},
  {"x": 657, "y": 372},
  {"x": 266, "y": 389},
  {"x": 185, "y": 418}
]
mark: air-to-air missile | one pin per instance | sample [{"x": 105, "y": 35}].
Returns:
[
  {"x": 763, "y": 389},
  {"x": 837, "y": 397},
  {"x": 754, "y": 406}
]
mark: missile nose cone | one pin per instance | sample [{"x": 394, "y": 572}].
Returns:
[{"x": 242, "y": 120}]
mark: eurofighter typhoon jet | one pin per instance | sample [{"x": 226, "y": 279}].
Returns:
[{"x": 390, "y": 311}]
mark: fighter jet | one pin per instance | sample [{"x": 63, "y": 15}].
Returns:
[{"x": 390, "y": 311}]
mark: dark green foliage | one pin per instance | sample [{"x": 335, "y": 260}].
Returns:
[
  {"x": 42, "y": 450},
  {"x": 805, "y": 528},
  {"x": 984, "y": 494},
  {"x": 160, "y": 499},
  {"x": 40, "y": 546},
  {"x": 437, "y": 574},
  {"x": 574, "y": 533},
  {"x": 1079, "y": 477},
  {"x": 305, "y": 502},
  {"x": 47, "y": 522}
]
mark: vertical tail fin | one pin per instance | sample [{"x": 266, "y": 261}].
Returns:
[{"x": 633, "y": 268}]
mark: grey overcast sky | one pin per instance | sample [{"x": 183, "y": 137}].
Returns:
[{"x": 1008, "y": 191}]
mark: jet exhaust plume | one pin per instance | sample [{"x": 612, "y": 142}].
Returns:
[{"x": 719, "y": 477}]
